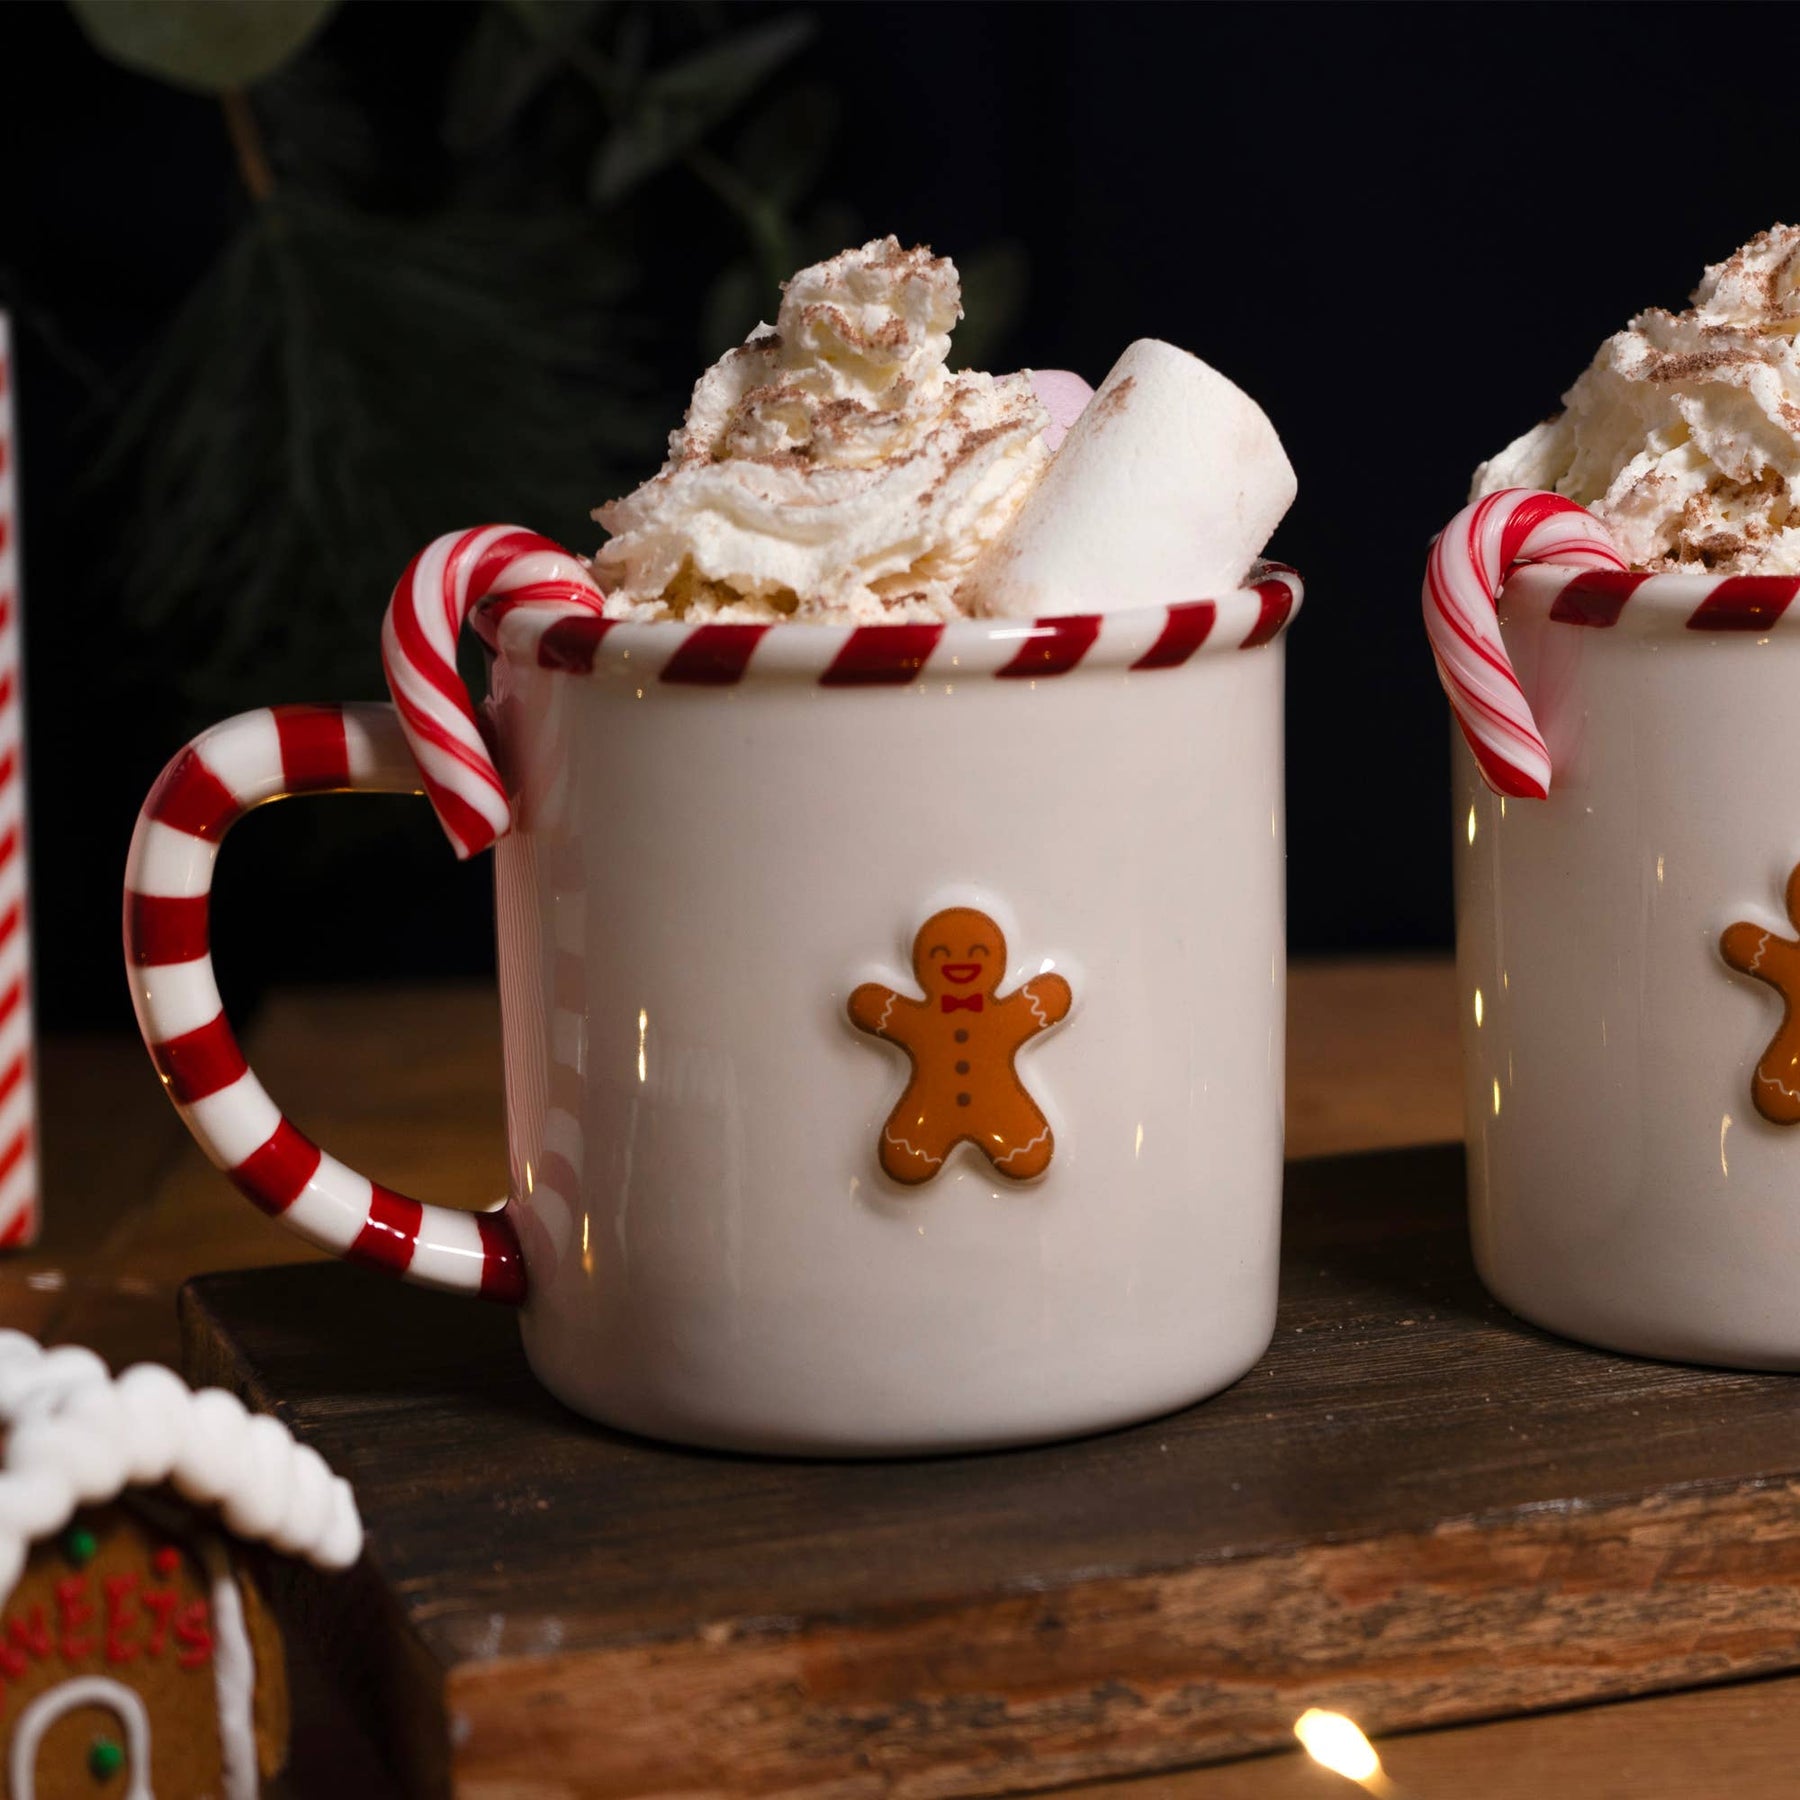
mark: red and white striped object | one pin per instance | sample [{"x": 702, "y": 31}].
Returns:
[
  {"x": 544, "y": 608},
  {"x": 1643, "y": 605},
  {"x": 1468, "y": 561},
  {"x": 260, "y": 756},
  {"x": 498, "y": 567},
  {"x": 853, "y": 656},
  {"x": 18, "y": 1087}
]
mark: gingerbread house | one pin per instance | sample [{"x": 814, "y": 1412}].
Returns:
[{"x": 137, "y": 1656}]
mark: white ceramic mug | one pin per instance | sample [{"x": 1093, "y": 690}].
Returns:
[
  {"x": 1627, "y": 1185},
  {"x": 719, "y": 834}
]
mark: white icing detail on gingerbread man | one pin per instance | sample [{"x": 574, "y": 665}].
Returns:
[
  {"x": 911, "y": 1148},
  {"x": 1024, "y": 1149},
  {"x": 64, "y": 1698}
]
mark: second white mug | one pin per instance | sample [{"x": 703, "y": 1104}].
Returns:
[{"x": 1634, "y": 1170}]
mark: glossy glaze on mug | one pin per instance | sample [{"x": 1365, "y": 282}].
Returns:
[
  {"x": 1623, "y": 1187},
  {"x": 698, "y": 879}
]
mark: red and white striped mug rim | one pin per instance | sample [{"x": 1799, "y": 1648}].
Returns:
[
  {"x": 723, "y": 654},
  {"x": 1679, "y": 604}
]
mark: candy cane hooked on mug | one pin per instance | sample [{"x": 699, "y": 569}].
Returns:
[
  {"x": 1468, "y": 562},
  {"x": 497, "y": 568},
  {"x": 428, "y": 741}
]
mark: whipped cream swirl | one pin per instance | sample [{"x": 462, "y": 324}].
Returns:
[
  {"x": 1683, "y": 435},
  {"x": 831, "y": 467}
]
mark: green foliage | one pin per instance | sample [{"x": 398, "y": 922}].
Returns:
[
  {"x": 994, "y": 283},
  {"x": 512, "y": 55},
  {"x": 205, "y": 46},
  {"x": 663, "y": 115},
  {"x": 339, "y": 390}
]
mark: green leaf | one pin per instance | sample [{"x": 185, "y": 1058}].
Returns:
[
  {"x": 508, "y": 60},
  {"x": 205, "y": 46},
  {"x": 732, "y": 309},
  {"x": 785, "y": 148},
  {"x": 995, "y": 280},
  {"x": 677, "y": 106}
]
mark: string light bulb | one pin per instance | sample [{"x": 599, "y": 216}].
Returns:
[{"x": 1337, "y": 1743}]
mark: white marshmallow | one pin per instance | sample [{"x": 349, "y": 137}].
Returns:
[{"x": 1166, "y": 489}]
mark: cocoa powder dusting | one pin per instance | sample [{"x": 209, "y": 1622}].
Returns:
[
  {"x": 971, "y": 442},
  {"x": 1690, "y": 365},
  {"x": 891, "y": 334},
  {"x": 1112, "y": 400}
]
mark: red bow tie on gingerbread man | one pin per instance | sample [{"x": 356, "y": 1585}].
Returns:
[{"x": 964, "y": 1088}]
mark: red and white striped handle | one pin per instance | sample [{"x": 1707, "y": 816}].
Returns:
[
  {"x": 1468, "y": 562},
  {"x": 498, "y": 568},
  {"x": 258, "y": 756}
]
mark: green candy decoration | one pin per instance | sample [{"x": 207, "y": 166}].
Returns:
[
  {"x": 79, "y": 1546},
  {"x": 105, "y": 1759}
]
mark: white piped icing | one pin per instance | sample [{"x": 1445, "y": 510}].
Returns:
[
  {"x": 234, "y": 1677},
  {"x": 76, "y": 1437},
  {"x": 53, "y": 1704}
]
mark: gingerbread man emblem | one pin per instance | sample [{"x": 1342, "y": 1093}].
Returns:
[
  {"x": 1776, "y": 960},
  {"x": 962, "y": 1039}
]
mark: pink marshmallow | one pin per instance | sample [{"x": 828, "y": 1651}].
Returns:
[{"x": 1064, "y": 394}]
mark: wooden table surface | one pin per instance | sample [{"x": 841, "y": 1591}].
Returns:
[{"x": 404, "y": 1083}]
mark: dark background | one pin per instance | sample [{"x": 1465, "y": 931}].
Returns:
[{"x": 1403, "y": 229}]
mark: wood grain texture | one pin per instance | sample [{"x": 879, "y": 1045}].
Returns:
[
  {"x": 402, "y": 1082},
  {"x": 1373, "y": 1057},
  {"x": 1416, "y": 1509},
  {"x": 107, "y": 1136},
  {"x": 1742, "y": 1740}
]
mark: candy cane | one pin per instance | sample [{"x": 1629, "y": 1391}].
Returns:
[
  {"x": 498, "y": 567},
  {"x": 18, "y": 1080},
  {"x": 1468, "y": 561}
]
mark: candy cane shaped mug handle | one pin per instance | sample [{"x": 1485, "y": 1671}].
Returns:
[
  {"x": 220, "y": 776},
  {"x": 426, "y": 743}
]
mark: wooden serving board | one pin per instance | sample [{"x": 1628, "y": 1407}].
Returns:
[{"x": 1416, "y": 1509}]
